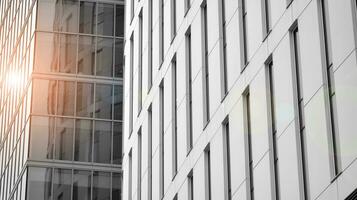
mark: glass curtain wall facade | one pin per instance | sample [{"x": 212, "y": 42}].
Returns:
[{"x": 61, "y": 99}]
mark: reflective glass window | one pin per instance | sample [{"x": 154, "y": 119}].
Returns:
[
  {"x": 104, "y": 59},
  {"x": 47, "y": 47},
  {"x": 116, "y": 186},
  {"x": 66, "y": 98},
  {"x": 101, "y": 185},
  {"x": 86, "y": 55},
  {"x": 42, "y": 132},
  {"x": 81, "y": 185},
  {"x": 69, "y": 16},
  {"x": 51, "y": 9},
  {"x": 44, "y": 96},
  {"x": 103, "y": 101},
  {"x": 118, "y": 102},
  {"x": 85, "y": 95},
  {"x": 39, "y": 183},
  {"x": 105, "y": 19},
  {"x": 64, "y": 139},
  {"x": 68, "y": 53},
  {"x": 102, "y": 142},
  {"x": 119, "y": 56},
  {"x": 87, "y": 17},
  {"x": 117, "y": 143},
  {"x": 62, "y": 179},
  {"x": 83, "y": 141},
  {"x": 119, "y": 21}
]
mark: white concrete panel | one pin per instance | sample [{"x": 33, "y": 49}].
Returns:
[
  {"x": 317, "y": 145},
  {"x": 196, "y": 46},
  {"x": 181, "y": 133},
  {"x": 288, "y": 164},
  {"x": 155, "y": 177},
  {"x": 262, "y": 179},
  {"x": 199, "y": 178},
  {"x": 168, "y": 161},
  {"x": 310, "y": 51},
  {"x": 347, "y": 182},
  {"x": 331, "y": 193},
  {"x": 181, "y": 73},
  {"x": 197, "y": 111},
  {"x": 277, "y": 8},
  {"x": 213, "y": 25},
  {"x": 258, "y": 114},
  {"x": 231, "y": 8},
  {"x": 283, "y": 86},
  {"x": 254, "y": 26},
  {"x": 341, "y": 26},
  {"x": 346, "y": 98},
  {"x": 233, "y": 49},
  {"x": 215, "y": 79},
  {"x": 237, "y": 146},
  {"x": 167, "y": 26},
  {"x": 217, "y": 168}
]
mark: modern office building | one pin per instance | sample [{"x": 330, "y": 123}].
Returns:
[
  {"x": 243, "y": 99},
  {"x": 61, "y": 89}
]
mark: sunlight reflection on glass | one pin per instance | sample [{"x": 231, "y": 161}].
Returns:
[{"x": 14, "y": 80}]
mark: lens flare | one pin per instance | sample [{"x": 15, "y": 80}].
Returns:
[{"x": 14, "y": 79}]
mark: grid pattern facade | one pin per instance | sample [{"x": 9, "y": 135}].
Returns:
[
  {"x": 240, "y": 99},
  {"x": 61, "y": 99}
]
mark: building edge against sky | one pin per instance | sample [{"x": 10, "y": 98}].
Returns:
[
  {"x": 61, "y": 94},
  {"x": 240, "y": 99}
]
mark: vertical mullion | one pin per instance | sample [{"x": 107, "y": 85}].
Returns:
[
  {"x": 227, "y": 159},
  {"x": 174, "y": 116},
  {"x": 140, "y": 70},
  {"x": 161, "y": 145},
  {"x": 300, "y": 109},
  {"x": 131, "y": 84},
  {"x": 149, "y": 153},
  {"x": 273, "y": 132},
  {"x": 150, "y": 45},
  {"x": 161, "y": 26},
  {"x": 139, "y": 164},
  {"x": 190, "y": 185},
  {"x": 328, "y": 78},
  {"x": 208, "y": 172},
  {"x": 224, "y": 50},
  {"x": 243, "y": 37},
  {"x": 205, "y": 74},
  {"x": 248, "y": 146},
  {"x": 130, "y": 181},
  {"x": 266, "y": 18},
  {"x": 189, "y": 90},
  {"x": 173, "y": 19}
]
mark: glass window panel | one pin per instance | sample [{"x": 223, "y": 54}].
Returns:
[
  {"x": 101, "y": 185},
  {"x": 69, "y": 16},
  {"x": 118, "y": 102},
  {"x": 102, "y": 142},
  {"x": 64, "y": 139},
  {"x": 104, "y": 60},
  {"x": 62, "y": 179},
  {"x": 86, "y": 55},
  {"x": 117, "y": 144},
  {"x": 66, "y": 98},
  {"x": 119, "y": 21},
  {"x": 85, "y": 93},
  {"x": 81, "y": 185},
  {"x": 87, "y": 17},
  {"x": 68, "y": 53},
  {"x": 103, "y": 101},
  {"x": 44, "y": 96},
  {"x": 116, "y": 186},
  {"x": 39, "y": 183},
  {"x": 105, "y": 20},
  {"x": 50, "y": 9},
  {"x": 83, "y": 141},
  {"x": 47, "y": 47},
  {"x": 41, "y": 139},
  {"x": 119, "y": 56}
]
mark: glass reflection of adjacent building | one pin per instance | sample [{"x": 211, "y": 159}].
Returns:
[{"x": 71, "y": 135}]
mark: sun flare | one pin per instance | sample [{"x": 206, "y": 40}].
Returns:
[{"x": 14, "y": 80}]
